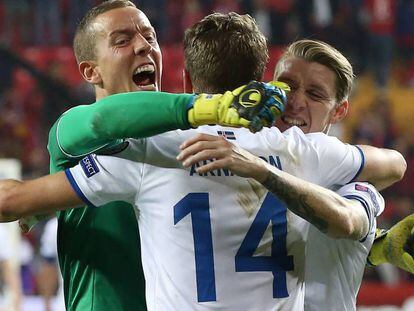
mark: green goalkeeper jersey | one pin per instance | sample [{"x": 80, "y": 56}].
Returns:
[{"x": 98, "y": 248}]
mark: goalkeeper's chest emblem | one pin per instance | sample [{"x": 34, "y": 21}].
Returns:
[
  {"x": 250, "y": 98},
  {"x": 229, "y": 135}
]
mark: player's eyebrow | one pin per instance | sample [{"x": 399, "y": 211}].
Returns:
[
  {"x": 146, "y": 28},
  {"x": 319, "y": 88},
  {"x": 289, "y": 81},
  {"x": 143, "y": 29},
  {"x": 120, "y": 31}
]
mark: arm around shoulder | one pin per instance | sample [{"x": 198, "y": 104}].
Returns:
[
  {"x": 38, "y": 196},
  {"x": 383, "y": 167}
]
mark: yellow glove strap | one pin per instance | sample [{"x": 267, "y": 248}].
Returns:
[{"x": 205, "y": 110}]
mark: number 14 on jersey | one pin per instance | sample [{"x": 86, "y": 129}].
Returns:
[{"x": 271, "y": 211}]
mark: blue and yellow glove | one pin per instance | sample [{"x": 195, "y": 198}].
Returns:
[
  {"x": 253, "y": 106},
  {"x": 395, "y": 246}
]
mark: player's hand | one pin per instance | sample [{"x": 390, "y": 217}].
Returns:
[
  {"x": 203, "y": 147},
  {"x": 254, "y": 105},
  {"x": 395, "y": 246}
]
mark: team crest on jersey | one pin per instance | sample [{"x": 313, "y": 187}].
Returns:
[
  {"x": 89, "y": 166},
  {"x": 227, "y": 135},
  {"x": 371, "y": 195}
]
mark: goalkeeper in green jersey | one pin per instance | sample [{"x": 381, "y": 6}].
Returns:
[{"x": 117, "y": 51}]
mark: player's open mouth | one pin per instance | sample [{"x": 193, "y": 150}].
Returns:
[
  {"x": 144, "y": 76},
  {"x": 293, "y": 122}
]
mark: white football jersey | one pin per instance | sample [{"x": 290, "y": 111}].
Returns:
[
  {"x": 217, "y": 241},
  {"x": 334, "y": 267}
]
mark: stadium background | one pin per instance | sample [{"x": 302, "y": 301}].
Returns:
[{"x": 39, "y": 80}]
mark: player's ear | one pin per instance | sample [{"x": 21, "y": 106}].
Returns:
[
  {"x": 188, "y": 85},
  {"x": 339, "y": 112},
  {"x": 90, "y": 72}
]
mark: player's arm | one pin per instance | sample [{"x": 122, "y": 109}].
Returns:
[
  {"x": 383, "y": 167},
  {"x": 38, "y": 196},
  {"x": 331, "y": 213},
  {"x": 85, "y": 129}
]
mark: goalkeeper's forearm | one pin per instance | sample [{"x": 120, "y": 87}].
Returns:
[{"x": 85, "y": 128}]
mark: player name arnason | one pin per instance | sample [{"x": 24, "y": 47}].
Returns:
[{"x": 272, "y": 160}]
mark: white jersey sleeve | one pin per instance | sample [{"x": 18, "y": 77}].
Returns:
[
  {"x": 334, "y": 267},
  {"x": 326, "y": 160},
  {"x": 102, "y": 179},
  {"x": 338, "y": 163},
  {"x": 368, "y": 196}
]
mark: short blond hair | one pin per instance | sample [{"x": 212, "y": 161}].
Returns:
[{"x": 324, "y": 54}]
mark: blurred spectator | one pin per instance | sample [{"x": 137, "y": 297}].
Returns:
[
  {"x": 280, "y": 19},
  {"x": 56, "y": 94},
  {"x": 377, "y": 126},
  {"x": 77, "y": 9},
  {"x": 304, "y": 11},
  {"x": 405, "y": 39},
  {"x": 16, "y": 22},
  {"x": 261, "y": 14},
  {"x": 226, "y": 6},
  {"x": 322, "y": 13},
  {"x": 192, "y": 13},
  {"x": 6, "y": 71},
  {"x": 405, "y": 144},
  {"x": 174, "y": 32},
  {"x": 49, "y": 281},
  {"x": 381, "y": 16},
  {"x": 48, "y": 22},
  {"x": 156, "y": 13},
  {"x": 10, "y": 300}
]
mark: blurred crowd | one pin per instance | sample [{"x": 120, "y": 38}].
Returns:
[{"x": 39, "y": 79}]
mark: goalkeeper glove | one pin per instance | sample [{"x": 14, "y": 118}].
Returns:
[
  {"x": 395, "y": 246},
  {"x": 254, "y": 105}
]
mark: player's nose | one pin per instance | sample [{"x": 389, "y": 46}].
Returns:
[
  {"x": 296, "y": 100},
  {"x": 142, "y": 46}
]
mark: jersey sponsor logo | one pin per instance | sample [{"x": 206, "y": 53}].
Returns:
[
  {"x": 89, "y": 166},
  {"x": 372, "y": 195},
  {"x": 229, "y": 135},
  {"x": 272, "y": 160}
]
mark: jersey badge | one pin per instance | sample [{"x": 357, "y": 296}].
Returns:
[
  {"x": 372, "y": 195},
  {"x": 89, "y": 166}
]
